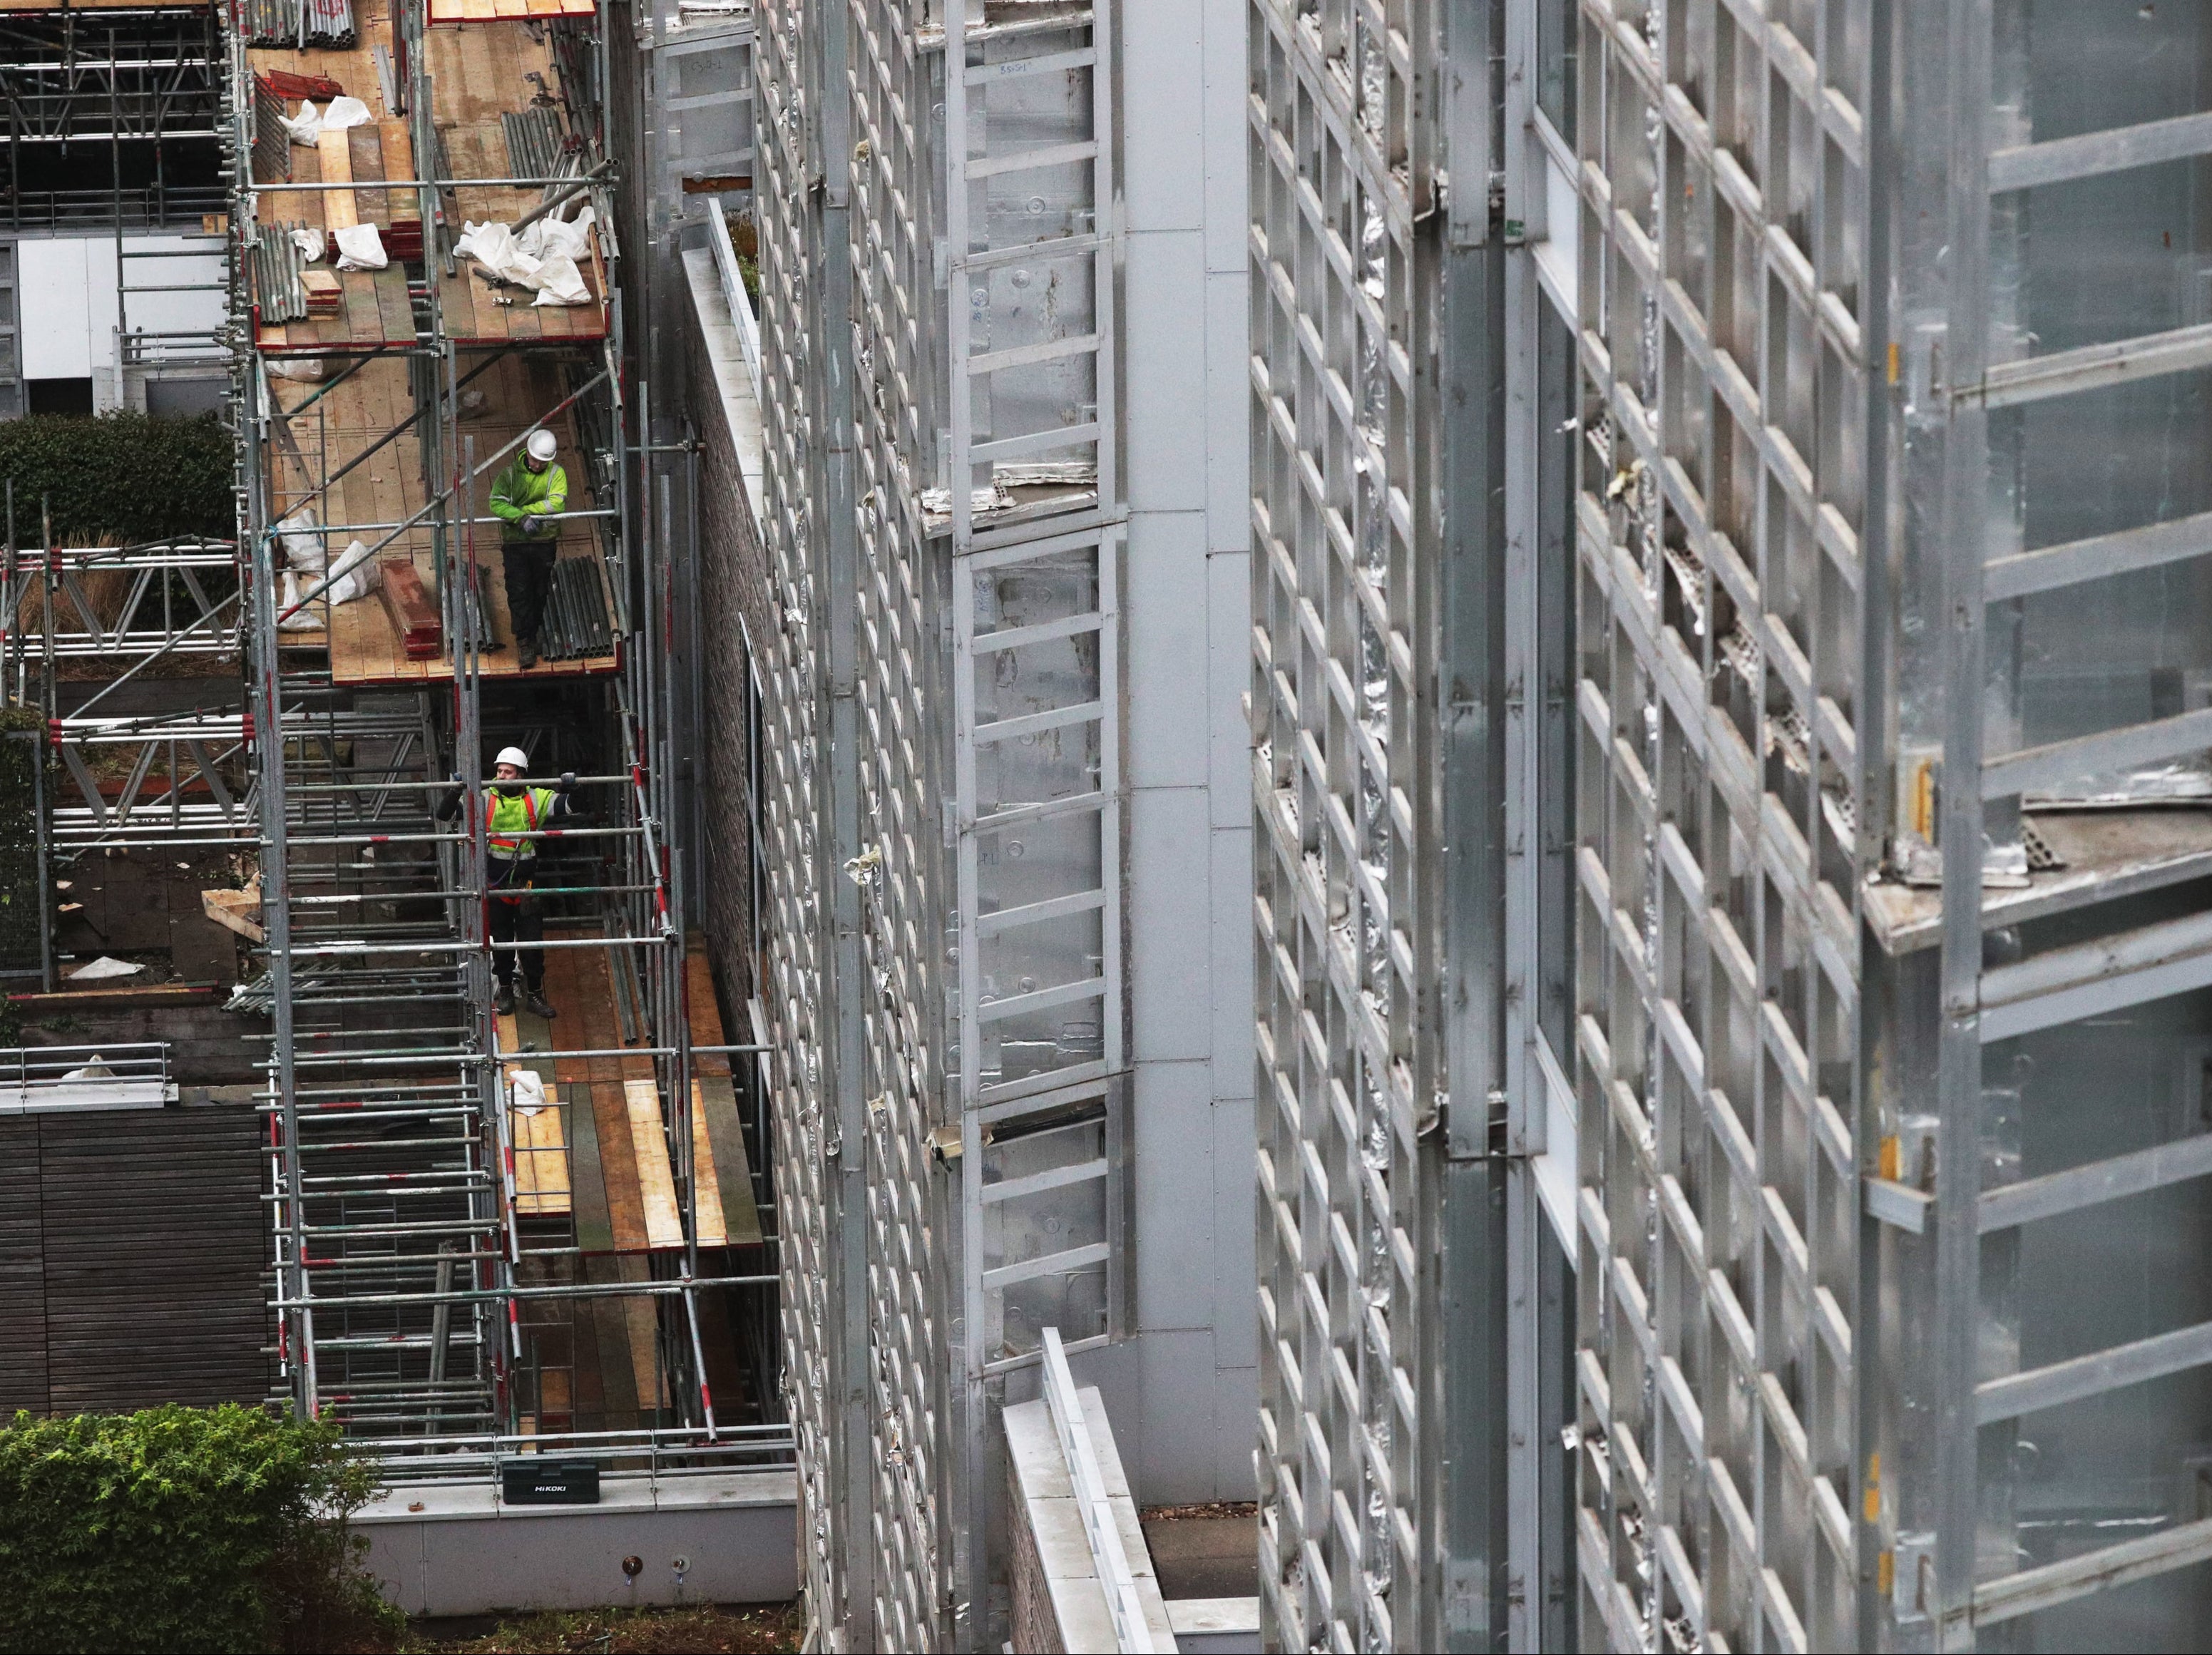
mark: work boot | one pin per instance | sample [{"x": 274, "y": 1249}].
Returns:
[
  {"x": 526, "y": 652},
  {"x": 540, "y": 1006},
  {"x": 504, "y": 1004}
]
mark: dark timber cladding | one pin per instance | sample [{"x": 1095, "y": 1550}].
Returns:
[{"x": 130, "y": 1249}]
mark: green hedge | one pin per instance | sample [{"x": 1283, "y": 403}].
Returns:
[
  {"x": 130, "y": 476},
  {"x": 180, "y": 1529}
]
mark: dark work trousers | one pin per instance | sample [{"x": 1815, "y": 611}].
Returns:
[
  {"x": 529, "y": 566},
  {"x": 515, "y": 918}
]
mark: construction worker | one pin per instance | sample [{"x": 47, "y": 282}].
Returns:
[
  {"x": 528, "y": 498},
  {"x": 514, "y": 811}
]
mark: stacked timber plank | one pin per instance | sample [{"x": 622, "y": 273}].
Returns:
[
  {"x": 326, "y": 294},
  {"x": 485, "y": 11},
  {"x": 414, "y": 616}
]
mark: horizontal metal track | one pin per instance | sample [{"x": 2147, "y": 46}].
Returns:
[
  {"x": 2092, "y": 368},
  {"x": 2092, "y": 1375},
  {"x": 2037, "y": 768},
  {"x": 2099, "y": 558},
  {"x": 2067, "y": 984},
  {"x": 2014, "y": 1595},
  {"x": 2090, "y": 154},
  {"x": 2099, "y": 1181}
]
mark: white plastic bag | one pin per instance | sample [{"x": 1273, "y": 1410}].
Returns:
[
  {"x": 494, "y": 246},
  {"x": 310, "y": 244},
  {"x": 307, "y": 126},
  {"x": 360, "y": 247},
  {"x": 555, "y": 235},
  {"x": 560, "y": 283},
  {"x": 296, "y": 368},
  {"x": 303, "y": 547},
  {"x": 525, "y": 1091},
  {"x": 290, "y": 617},
  {"x": 545, "y": 257},
  {"x": 355, "y": 575},
  {"x": 105, "y": 967}
]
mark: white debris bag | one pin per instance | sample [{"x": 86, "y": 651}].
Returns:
[
  {"x": 310, "y": 244},
  {"x": 560, "y": 283},
  {"x": 360, "y": 247},
  {"x": 526, "y": 1092},
  {"x": 290, "y": 617},
  {"x": 355, "y": 575},
  {"x": 105, "y": 967},
  {"x": 309, "y": 368},
  {"x": 556, "y": 237},
  {"x": 339, "y": 114},
  {"x": 544, "y": 258},
  {"x": 303, "y": 544}
]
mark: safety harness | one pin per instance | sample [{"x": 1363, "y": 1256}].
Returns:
[{"x": 515, "y": 853}]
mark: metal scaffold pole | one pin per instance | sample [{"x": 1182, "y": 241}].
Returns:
[{"x": 428, "y": 1148}]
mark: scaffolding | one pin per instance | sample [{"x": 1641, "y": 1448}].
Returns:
[
  {"x": 146, "y": 75},
  {"x": 489, "y": 1233}
]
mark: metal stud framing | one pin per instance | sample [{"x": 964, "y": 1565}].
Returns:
[
  {"x": 811, "y": 808},
  {"x": 951, "y": 1036},
  {"x": 1376, "y": 702},
  {"x": 1722, "y": 200}
]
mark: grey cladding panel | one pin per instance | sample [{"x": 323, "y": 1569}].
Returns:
[
  {"x": 22, "y": 1285},
  {"x": 131, "y": 1261}
]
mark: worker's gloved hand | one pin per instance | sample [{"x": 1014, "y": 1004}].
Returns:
[
  {"x": 530, "y": 522},
  {"x": 567, "y": 783}
]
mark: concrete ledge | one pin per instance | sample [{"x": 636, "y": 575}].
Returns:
[
  {"x": 1059, "y": 1603},
  {"x": 732, "y": 377},
  {"x": 463, "y": 1552},
  {"x": 1216, "y": 1625}
]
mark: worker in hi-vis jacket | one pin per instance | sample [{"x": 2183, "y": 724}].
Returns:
[
  {"x": 514, "y": 814},
  {"x": 528, "y": 498}
]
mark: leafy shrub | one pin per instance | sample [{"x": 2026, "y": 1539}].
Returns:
[
  {"x": 180, "y": 1529},
  {"x": 134, "y": 476}
]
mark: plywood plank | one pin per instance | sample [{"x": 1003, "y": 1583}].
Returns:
[
  {"x": 365, "y": 162},
  {"x": 731, "y": 1172},
  {"x": 334, "y": 151},
  {"x": 641, "y": 1322},
  {"x": 399, "y": 152},
  {"x": 394, "y": 314},
  {"x": 704, "y": 1011},
  {"x": 590, "y": 1390},
  {"x": 610, "y": 1336},
  {"x": 586, "y": 1175},
  {"x": 707, "y": 1203},
  {"x": 664, "y": 1223},
  {"x": 619, "y": 1163},
  {"x": 541, "y": 1161}
]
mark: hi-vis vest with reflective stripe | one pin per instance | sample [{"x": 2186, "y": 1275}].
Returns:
[{"x": 508, "y": 815}]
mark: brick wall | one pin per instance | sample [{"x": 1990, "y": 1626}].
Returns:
[{"x": 734, "y": 581}]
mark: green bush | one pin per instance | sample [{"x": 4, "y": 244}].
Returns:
[
  {"x": 130, "y": 476},
  {"x": 180, "y": 1529}
]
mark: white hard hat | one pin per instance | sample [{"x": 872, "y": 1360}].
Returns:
[
  {"x": 513, "y": 756},
  {"x": 541, "y": 445}
]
